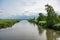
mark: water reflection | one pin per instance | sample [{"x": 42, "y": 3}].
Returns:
[
  {"x": 50, "y": 34},
  {"x": 25, "y": 30},
  {"x": 40, "y": 29}
]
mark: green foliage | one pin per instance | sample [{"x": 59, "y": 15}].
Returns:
[
  {"x": 41, "y": 17},
  {"x": 33, "y": 20},
  {"x": 7, "y": 23},
  {"x": 56, "y": 26},
  {"x": 51, "y": 15},
  {"x": 58, "y": 19},
  {"x": 42, "y": 23},
  {"x": 52, "y": 20}
]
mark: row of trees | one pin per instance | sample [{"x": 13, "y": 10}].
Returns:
[{"x": 51, "y": 18}]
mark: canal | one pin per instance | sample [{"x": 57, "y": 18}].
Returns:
[{"x": 25, "y": 30}]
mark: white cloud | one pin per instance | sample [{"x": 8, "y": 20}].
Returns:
[{"x": 20, "y": 7}]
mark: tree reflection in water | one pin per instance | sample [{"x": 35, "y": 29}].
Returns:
[
  {"x": 40, "y": 29},
  {"x": 50, "y": 34}
]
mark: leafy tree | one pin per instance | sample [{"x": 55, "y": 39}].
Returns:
[
  {"x": 58, "y": 19},
  {"x": 41, "y": 17},
  {"x": 59, "y": 16},
  {"x": 51, "y": 15}
]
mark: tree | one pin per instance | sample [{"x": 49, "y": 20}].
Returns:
[
  {"x": 58, "y": 19},
  {"x": 51, "y": 15},
  {"x": 41, "y": 17}
]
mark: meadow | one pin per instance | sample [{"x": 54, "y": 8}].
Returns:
[{"x": 7, "y": 22}]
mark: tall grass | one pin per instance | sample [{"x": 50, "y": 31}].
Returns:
[{"x": 7, "y": 23}]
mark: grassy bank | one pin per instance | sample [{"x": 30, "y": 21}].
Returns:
[
  {"x": 43, "y": 24},
  {"x": 7, "y": 23}
]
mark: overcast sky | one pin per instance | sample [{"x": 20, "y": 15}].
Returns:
[{"x": 26, "y": 7}]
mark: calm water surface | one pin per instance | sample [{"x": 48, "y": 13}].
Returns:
[{"x": 28, "y": 31}]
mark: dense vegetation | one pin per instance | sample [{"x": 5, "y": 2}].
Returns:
[
  {"x": 51, "y": 20},
  {"x": 7, "y": 23}
]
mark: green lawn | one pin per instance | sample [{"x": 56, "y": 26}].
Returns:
[{"x": 7, "y": 23}]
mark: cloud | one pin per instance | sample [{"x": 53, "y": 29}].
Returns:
[{"x": 25, "y": 7}]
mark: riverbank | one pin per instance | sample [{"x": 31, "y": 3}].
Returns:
[
  {"x": 43, "y": 24},
  {"x": 7, "y": 23}
]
